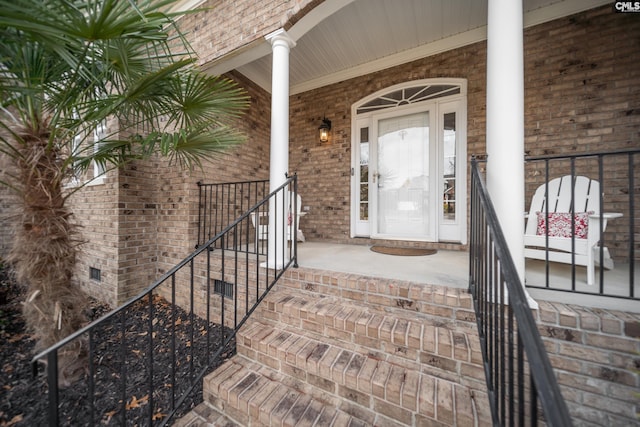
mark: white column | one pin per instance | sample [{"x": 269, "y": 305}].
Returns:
[
  {"x": 505, "y": 122},
  {"x": 281, "y": 44}
]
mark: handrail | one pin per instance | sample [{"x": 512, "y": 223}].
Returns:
[
  {"x": 581, "y": 155},
  {"x": 509, "y": 337},
  {"x": 224, "y": 259}
]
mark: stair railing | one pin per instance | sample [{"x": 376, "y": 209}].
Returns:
[
  {"x": 521, "y": 384},
  {"x": 221, "y": 203},
  {"x": 207, "y": 297}
]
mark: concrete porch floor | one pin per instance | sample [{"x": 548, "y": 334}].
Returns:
[{"x": 451, "y": 268}]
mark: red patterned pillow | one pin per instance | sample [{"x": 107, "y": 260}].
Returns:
[{"x": 560, "y": 224}]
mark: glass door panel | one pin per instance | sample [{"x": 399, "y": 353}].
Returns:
[
  {"x": 449, "y": 168},
  {"x": 361, "y": 176},
  {"x": 402, "y": 176},
  {"x": 364, "y": 174}
]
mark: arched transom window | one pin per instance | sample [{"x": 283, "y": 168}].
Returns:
[{"x": 409, "y": 95}]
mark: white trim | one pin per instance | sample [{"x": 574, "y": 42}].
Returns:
[
  {"x": 185, "y": 5},
  {"x": 315, "y": 16},
  {"x": 560, "y": 10},
  {"x": 239, "y": 57},
  {"x": 438, "y": 81},
  {"x": 99, "y": 180}
]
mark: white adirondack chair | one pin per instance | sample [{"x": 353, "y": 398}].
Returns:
[{"x": 586, "y": 193}]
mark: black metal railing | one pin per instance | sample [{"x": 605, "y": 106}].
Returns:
[
  {"x": 522, "y": 387},
  {"x": 144, "y": 361},
  {"x": 618, "y": 178},
  {"x": 219, "y": 204}
]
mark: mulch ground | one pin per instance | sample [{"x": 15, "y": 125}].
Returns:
[{"x": 121, "y": 365}]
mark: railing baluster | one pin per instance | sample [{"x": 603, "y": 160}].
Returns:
[
  {"x": 534, "y": 401},
  {"x": 92, "y": 373},
  {"x": 173, "y": 342},
  {"x": 52, "y": 373},
  {"x": 235, "y": 279},
  {"x": 601, "y": 224},
  {"x": 200, "y": 214},
  {"x": 510, "y": 345},
  {"x": 572, "y": 210},
  {"x": 123, "y": 368},
  {"x": 191, "y": 316},
  {"x": 208, "y": 302},
  {"x": 501, "y": 353},
  {"x": 546, "y": 221},
  {"x": 632, "y": 221},
  {"x": 521, "y": 395},
  {"x": 150, "y": 357}
]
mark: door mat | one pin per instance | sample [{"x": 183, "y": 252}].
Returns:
[{"x": 390, "y": 250}]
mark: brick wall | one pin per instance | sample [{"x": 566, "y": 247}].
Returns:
[
  {"x": 7, "y": 205},
  {"x": 138, "y": 225},
  {"x": 246, "y": 22},
  {"x": 596, "y": 356},
  {"x": 95, "y": 211}
]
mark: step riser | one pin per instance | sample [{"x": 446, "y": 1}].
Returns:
[
  {"x": 435, "y": 349},
  {"x": 338, "y": 371},
  {"x": 374, "y": 330},
  {"x": 407, "y": 398},
  {"x": 256, "y": 397},
  {"x": 438, "y": 301}
]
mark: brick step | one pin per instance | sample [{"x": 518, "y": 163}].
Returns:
[
  {"x": 398, "y": 388},
  {"x": 254, "y": 395},
  {"x": 440, "y": 302},
  {"x": 204, "y": 415},
  {"x": 407, "y": 335}
]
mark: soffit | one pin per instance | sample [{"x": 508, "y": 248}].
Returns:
[{"x": 361, "y": 36}]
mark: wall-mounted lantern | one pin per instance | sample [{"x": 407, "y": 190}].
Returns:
[{"x": 324, "y": 129}]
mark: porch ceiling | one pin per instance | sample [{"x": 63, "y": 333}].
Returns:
[{"x": 342, "y": 39}]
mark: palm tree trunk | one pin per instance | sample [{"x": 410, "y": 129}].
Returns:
[{"x": 44, "y": 253}]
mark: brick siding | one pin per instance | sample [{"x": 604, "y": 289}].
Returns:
[
  {"x": 596, "y": 356},
  {"x": 7, "y": 205},
  {"x": 245, "y": 22}
]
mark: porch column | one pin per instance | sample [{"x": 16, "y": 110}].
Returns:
[
  {"x": 505, "y": 123},
  {"x": 281, "y": 44}
]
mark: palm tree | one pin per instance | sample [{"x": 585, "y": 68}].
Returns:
[{"x": 67, "y": 67}]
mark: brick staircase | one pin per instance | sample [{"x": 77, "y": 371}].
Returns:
[{"x": 331, "y": 349}]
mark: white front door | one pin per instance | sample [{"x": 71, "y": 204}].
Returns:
[
  {"x": 401, "y": 202},
  {"x": 409, "y": 171}
]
